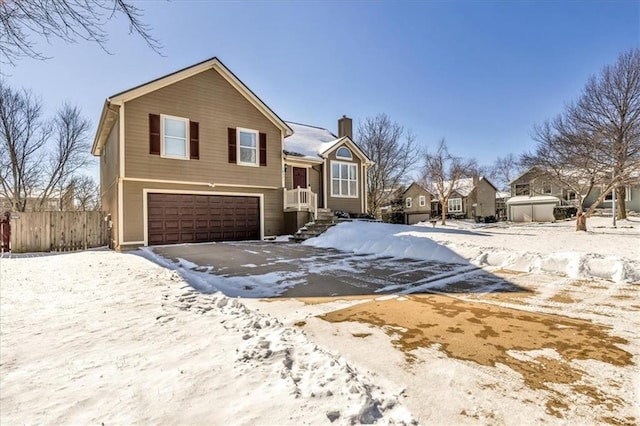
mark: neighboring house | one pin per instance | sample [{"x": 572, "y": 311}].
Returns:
[
  {"x": 531, "y": 183},
  {"x": 474, "y": 198},
  {"x": 196, "y": 156},
  {"x": 417, "y": 204}
]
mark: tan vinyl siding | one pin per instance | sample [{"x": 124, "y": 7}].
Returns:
[
  {"x": 415, "y": 191},
  {"x": 315, "y": 181},
  {"x": 109, "y": 166},
  {"x": 210, "y": 100},
  {"x": 486, "y": 199},
  {"x": 350, "y": 205},
  {"x": 109, "y": 160},
  {"x": 288, "y": 177},
  {"x": 134, "y": 212}
]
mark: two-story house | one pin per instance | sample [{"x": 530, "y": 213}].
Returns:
[
  {"x": 536, "y": 185},
  {"x": 417, "y": 204},
  {"x": 473, "y": 198},
  {"x": 196, "y": 156}
]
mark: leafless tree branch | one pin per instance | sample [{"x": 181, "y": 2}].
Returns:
[
  {"x": 394, "y": 152},
  {"x": 442, "y": 173},
  {"x": 68, "y": 20}
]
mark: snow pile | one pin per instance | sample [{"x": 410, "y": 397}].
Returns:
[
  {"x": 536, "y": 248},
  {"x": 385, "y": 240}
]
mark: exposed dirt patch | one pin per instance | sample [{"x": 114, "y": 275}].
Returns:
[
  {"x": 485, "y": 334},
  {"x": 562, "y": 298},
  {"x": 321, "y": 300},
  {"x": 361, "y": 335},
  {"x": 501, "y": 272}
]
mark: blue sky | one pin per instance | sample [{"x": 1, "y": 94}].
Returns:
[{"x": 479, "y": 74}]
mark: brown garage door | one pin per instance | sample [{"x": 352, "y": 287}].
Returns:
[{"x": 185, "y": 218}]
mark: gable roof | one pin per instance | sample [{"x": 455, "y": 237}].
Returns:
[
  {"x": 315, "y": 143},
  {"x": 107, "y": 118},
  {"x": 414, "y": 183}
]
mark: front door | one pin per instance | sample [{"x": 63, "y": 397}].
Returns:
[{"x": 299, "y": 177}]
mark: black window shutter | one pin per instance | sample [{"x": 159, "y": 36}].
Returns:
[
  {"x": 194, "y": 140},
  {"x": 232, "y": 144},
  {"x": 154, "y": 134},
  {"x": 263, "y": 149}
]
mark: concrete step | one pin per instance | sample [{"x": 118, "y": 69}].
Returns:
[{"x": 311, "y": 230}]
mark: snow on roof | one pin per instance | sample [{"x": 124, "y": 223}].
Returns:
[
  {"x": 463, "y": 187},
  {"x": 503, "y": 194},
  {"x": 309, "y": 141},
  {"x": 538, "y": 199}
]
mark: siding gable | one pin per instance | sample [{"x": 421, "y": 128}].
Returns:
[{"x": 209, "y": 100}]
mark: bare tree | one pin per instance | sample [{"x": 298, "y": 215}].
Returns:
[
  {"x": 68, "y": 154},
  {"x": 23, "y": 134},
  {"x": 503, "y": 171},
  {"x": 38, "y": 159},
  {"x": 68, "y": 20},
  {"x": 610, "y": 106},
  {"x": 394, "y": 153},
  {"x": 86, "y": 193},
  {"x": 575, "y": 158},
  {"x": 442, "y": 173},
  {"x": 595, "y": 140}
]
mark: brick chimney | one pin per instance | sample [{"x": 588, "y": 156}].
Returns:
[{"x": 345, "y": 127}]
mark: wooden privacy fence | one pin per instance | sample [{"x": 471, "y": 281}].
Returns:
[{"x": 58, "y": 231}]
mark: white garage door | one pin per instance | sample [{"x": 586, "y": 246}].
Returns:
[
  {"x": 520, "y": 213},
  {"x": 543, "y": 212}
]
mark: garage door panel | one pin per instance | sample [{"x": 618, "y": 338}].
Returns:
[{"x": 183, "y": 218}]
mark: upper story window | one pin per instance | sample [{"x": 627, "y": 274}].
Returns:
[
  {"x": 455, "y": 205},
  {"x": 422, "y": 201},
  {"x": 344, "y": 152},
  {"x": 174, "y": 137},
  {"x": 522, "y": 189},
  {"x": 344, "y": 179},
  {"x": 408, "y": 202},
  {"x": 247, "y": 147},
  {"x": 546, "y": 188}
]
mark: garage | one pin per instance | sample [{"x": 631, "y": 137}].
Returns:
[
  {"x": 531, "y": 209},
  {"x": 190, "y": 218}
]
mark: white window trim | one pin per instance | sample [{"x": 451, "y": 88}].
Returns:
[
  {"x": 408, "y": 202},
  {"x": 449, "y": 209},
  {"x": 355, "y": 166},
  {"x": 627, "y": 195},
  {"x": 186, "y": 140},
  {"x": 422, "y": 201},
  {"x": 238, "y": 146},
  {"x": 350, "y": 157}
]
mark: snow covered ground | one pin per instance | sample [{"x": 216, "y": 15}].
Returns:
[{"x": 103, "y": 337}]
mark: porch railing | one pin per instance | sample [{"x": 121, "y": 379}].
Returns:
[{"x": 301, "y": 199}]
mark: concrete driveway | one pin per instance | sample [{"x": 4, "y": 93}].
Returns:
[{"x": 303, "y": 271}]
